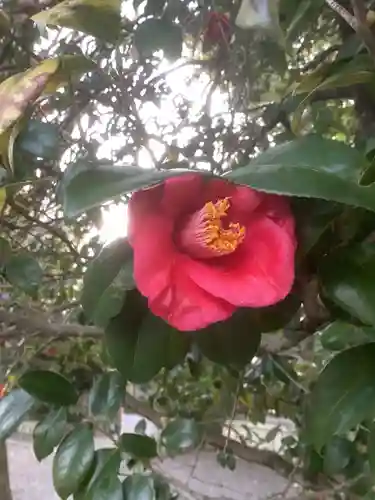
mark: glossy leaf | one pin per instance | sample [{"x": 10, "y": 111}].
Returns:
[
  {"x": 140, "y": 346},
  {"x": 14, "y": 408},
  {"x": 87, "y": 185},
  {"x": 39, "y": 139},
  {"x": 24, "y": 272},
  {"x": 73, "y": 460},
  {"x": 337, "y": 455},
  {"x": 340, "y": 335},
  {"x": 310, "y": 167},
  {"x": 49, "y": 432},
  {"x": 105, "y": 281},
  {"x": 371, "y": 448},
  {"x": 158, "y": 34},
  {"x": 336, "y": 75},
  {"x": 121, "y": 336},
  {"x": 139, "y": 487},
  {"x": 107, "y": 487},
  {"x": 106, "y": 395},
  {"x": 94, "y": 17},
  {"x": 339, "y": 400},
  {"x": 162, "y": 488},
  {"x": 348, "y": 279},
  {"x": 103, "y": 483},
  {"x": 49, "y": 387},
  {"x": 71, "y": 66},
  {"x": 143, "y": 447},
  {"x": 168, "y": 344},
  {"x": 180, "y": 435},
  {"x": 21, "y": 90},
  {"x": 231, "y": 342}
]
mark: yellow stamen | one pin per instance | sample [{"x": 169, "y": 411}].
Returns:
[{"x": 217, "y": 238}]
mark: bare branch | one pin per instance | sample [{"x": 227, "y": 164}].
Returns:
[
  {"x": 363, "y": 30},
  {"x": 24, "y": 323}
]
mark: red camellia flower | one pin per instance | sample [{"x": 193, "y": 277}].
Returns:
[{"x": 204, "y": 247}]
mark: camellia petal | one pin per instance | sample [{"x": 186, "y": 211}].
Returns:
[
  {"x": 260, "y": 273},
  {"x": 243, "y": 200},
  {"x": 159, "y": 271},
  {"x": 177, "y": 194},
  {"x": 186, "y": 306}
]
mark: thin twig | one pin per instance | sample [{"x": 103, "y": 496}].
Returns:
[
  {"x": 363, "y": 30},
  {"x": 342, "y": 12}
]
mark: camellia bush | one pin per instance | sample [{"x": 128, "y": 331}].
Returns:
[{"x": 187, "y": 211}]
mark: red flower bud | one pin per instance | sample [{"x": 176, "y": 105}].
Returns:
[
  {"x": 2, "y": 390},
  {"x": 218, "y": 29}
]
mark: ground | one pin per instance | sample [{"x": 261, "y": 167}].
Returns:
[{"x": 196, "y": 476}]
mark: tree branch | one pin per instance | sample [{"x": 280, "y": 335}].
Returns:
[
  {"x": 27, "y": 322},
  {"x": 250, "y": 454},
  {"x": 362, "y": 28}
]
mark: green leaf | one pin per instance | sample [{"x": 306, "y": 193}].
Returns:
[
  {"x": 231, "y": 342},
  {"x": 158, "y": 34},
  {"x": 39, "y": 139},
  {"x": 107, "y": 487},
  {"x": 310, "y": 167},
  {"x": 169, "y": 345},
  {"x": 140, "y": 427},
  {"x": 139, "y": 487},
  {"x": 162, "y": 489},
  {"x": 24, "y": 272},
  {"x": 371, "y": 448},
  {"x": 314, "y": 219},
  {"x": 86, "y": 185},
  {"x": 121, "y": 337},
  {"x": 180, "y": 435},
  {"x": 14, "y": 408},
  {"x": 19, "y": 91},
  {"x": 73, "y": 460},
  {"x": 49, "y": 387},
  {"x": 103, "y": 483},
  {"x": 140, "y": 345},
  {"x": 339, "y": 401},
  {"x": 306, "y": 11},
  {"x": 336, "y": 75},
  {"x": 138, "y": 446},
  {"x": 49, "y": 432},
  {"x": 107, "y": 278},
  {"x": 340, "y": 335},
  {"x": 226, "y": 459},
  {"x": 94, "y": 17},
  {"x": 337, "y": 455},
  {"x": 106, "y": 395},
  {"x": 348, "y": 279}
]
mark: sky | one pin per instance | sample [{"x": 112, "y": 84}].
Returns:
[{"x": 164, "y": 115}]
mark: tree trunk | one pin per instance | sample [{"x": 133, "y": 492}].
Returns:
[{"x": 5, "y": 493}]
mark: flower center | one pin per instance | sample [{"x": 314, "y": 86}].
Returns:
[{"x": 204, "y": 235}]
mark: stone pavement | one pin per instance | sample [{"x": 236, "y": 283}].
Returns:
[{"x": 196, "y": 476}]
